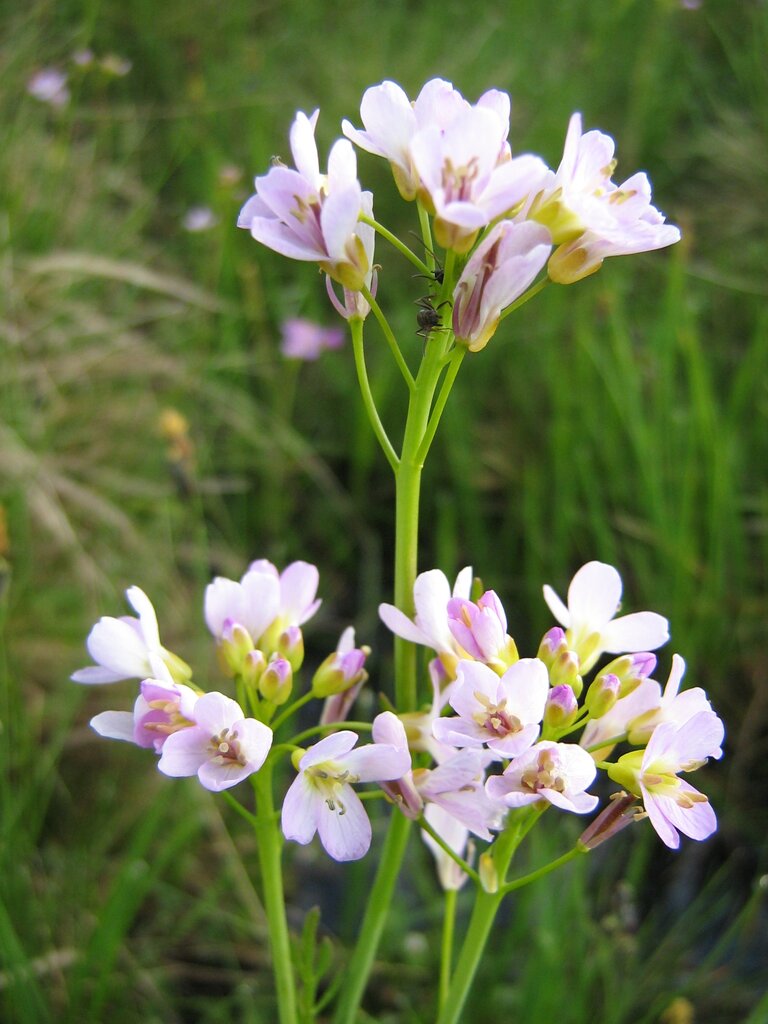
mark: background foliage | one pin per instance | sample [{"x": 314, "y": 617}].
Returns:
[{"x": 622, "y": 419}]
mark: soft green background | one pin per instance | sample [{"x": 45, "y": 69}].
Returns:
[{"x": 623, "y": 419}]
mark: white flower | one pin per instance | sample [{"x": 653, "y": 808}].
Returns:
[{"x": 594, "y": 597}]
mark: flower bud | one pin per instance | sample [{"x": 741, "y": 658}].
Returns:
[
  {"x": 290, "y": 645},
  {"x": 619, "y": 813},
  {"x": 602, "y": 694},
  {"x": 631, "y": 670},
  {"x": 340, "y": 672},
  {"x": 553, "y": 643},
  {"x": 489, "y": 876},
  {"x": 561, "y": 708},
  {"x": 253, "y": 667},
  {"x": 296, "y": 756},
  {"x": 276, "y": 682},
  {"x": 235, "y": 646},
  {"x": 564, "y": 671}
]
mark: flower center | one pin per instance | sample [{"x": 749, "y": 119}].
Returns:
[
  {"x": 175, "y": 719},
  {"x": 543, "y": 775},
  {"x": 329, "y": 778},
  {"x": 226, "y": 747},
  {"x": 495, "y": 718},
  {"x": 458, "y": 181}
]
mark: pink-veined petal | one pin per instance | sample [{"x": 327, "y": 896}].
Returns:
[
  {"x": 214, "y": 712},
  {"x": 96, "y": 674},
  {"x": 345, "y": 830},
  {"x": 301, "y": 807},
  {"x": 298, "y": 585},
  {"x": 377, "y": 762},
  {"x": 399, "y": 623},
  {"x": 330, "y": 748},
  {"x": 217, "y": 777}
]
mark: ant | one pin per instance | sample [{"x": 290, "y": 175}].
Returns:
[{"x": 428, "y": 318}]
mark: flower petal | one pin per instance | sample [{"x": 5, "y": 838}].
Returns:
[
  {"x": 641, "y": 631},
  {"x": 300, "y": 811},
  {"x": 345, "y": 830}
]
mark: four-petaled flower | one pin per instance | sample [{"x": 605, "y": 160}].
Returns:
[
  {"x": 129, "y": 647},
  {"x": 503, "y": 713},
  {"x": 594, "y": 597},
  {"x": 321, "y": 798},
  {"x": 162, "y": 708},
  {"x": 430, "y": 625},
  {"x": 673, "y": 805},
  {"x": 222, "y": 747},
  {"x": 310, "y": 216},
  {"x": 556, "y": 772}
]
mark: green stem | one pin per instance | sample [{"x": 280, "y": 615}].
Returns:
[
  {"x": 533, "y": 876},
  {"x": 465, "y": 867},
  {"x": 454, "y": 363},
  {"x": 610, "y": 742},
  {"x": 318, "y": 730},
  {"x": 379, "y": 899},
  {"x": 446, "y": 946},
  {"x": 408, "y": 487},
  {"x": 391, "y": 339},
  {"x": 235, "y": 804},
  {"x": 269, "y": 843},
  {"x": 401, "y": 247},
  {"x": 291, "y": 709},
  {"x": 356, "y": 326},
  {"x": 481, "y": 922}
]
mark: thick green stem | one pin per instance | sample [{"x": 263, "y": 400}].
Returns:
[
  {"x": 446, "y": 947},
  {"x": 379, "y": 899},
  {"x": 269, "y": 843},
  {"x": 479, "y": 929},
  {"x": 408, "y": 481}
]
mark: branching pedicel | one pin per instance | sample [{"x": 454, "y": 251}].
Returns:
[{"x": 491, "y": 739}]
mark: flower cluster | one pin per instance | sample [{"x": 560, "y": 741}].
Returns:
[
  {"x": 502, "y": 216},
  {"x": 499, "y": 731},
  {"x": 520, "y": 714}
]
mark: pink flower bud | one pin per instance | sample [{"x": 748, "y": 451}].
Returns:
[
  {"x": 631, "y": 670},
  {"x": 619, "y": 813},
  {"x": 561, "y": 708},
  {"x": 236, "y": 644},
  {"x": 553, "y": 643},
  {"x": 290, "y": 645},
  {"x": 603, "y": 694},
  {"x": 276, "y": 683}
]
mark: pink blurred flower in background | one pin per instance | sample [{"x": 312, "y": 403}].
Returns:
[
  {"x": 49, "y": 85},
  {"x": 304, "y": 339}
]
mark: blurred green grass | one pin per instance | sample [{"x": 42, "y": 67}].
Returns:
[{"x": 623, "y": 419}]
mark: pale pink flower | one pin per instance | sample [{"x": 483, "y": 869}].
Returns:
[
  {"x": 464, "y": 183},
  {"x": 222, "y": 748},
  {"x": 673, "y": 805},
  {"x": 430, "y": 626},
  {"x": 321, "y": 798},
  {"x": 162, "y": 708},
  {"x": 480, "y": 628},
  {"x": 503, "y": 713},
  {"x": 129, "y": 647},
  {"x": 588, "y": 215},
  {"x": 498, "y": 272},
  {"x": 594, "y": 597},
  {"x": 556, "y": 772},
  {"x": 615, "y": 723},
  {"x": 304, "y": 339},
  {"x": 455, "y": 784},
  {"x": 310, "y": 216},
  {"x": 253, "y": 604},
  {"x": 391, "y": 121},
  {"x": 298, "y": 588},
  {"x": 198, "y": 219},
  {"x": 49, "y": 85},
  {"x": 673, "y": 706},
  {"x": 355, "y": 304}
]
